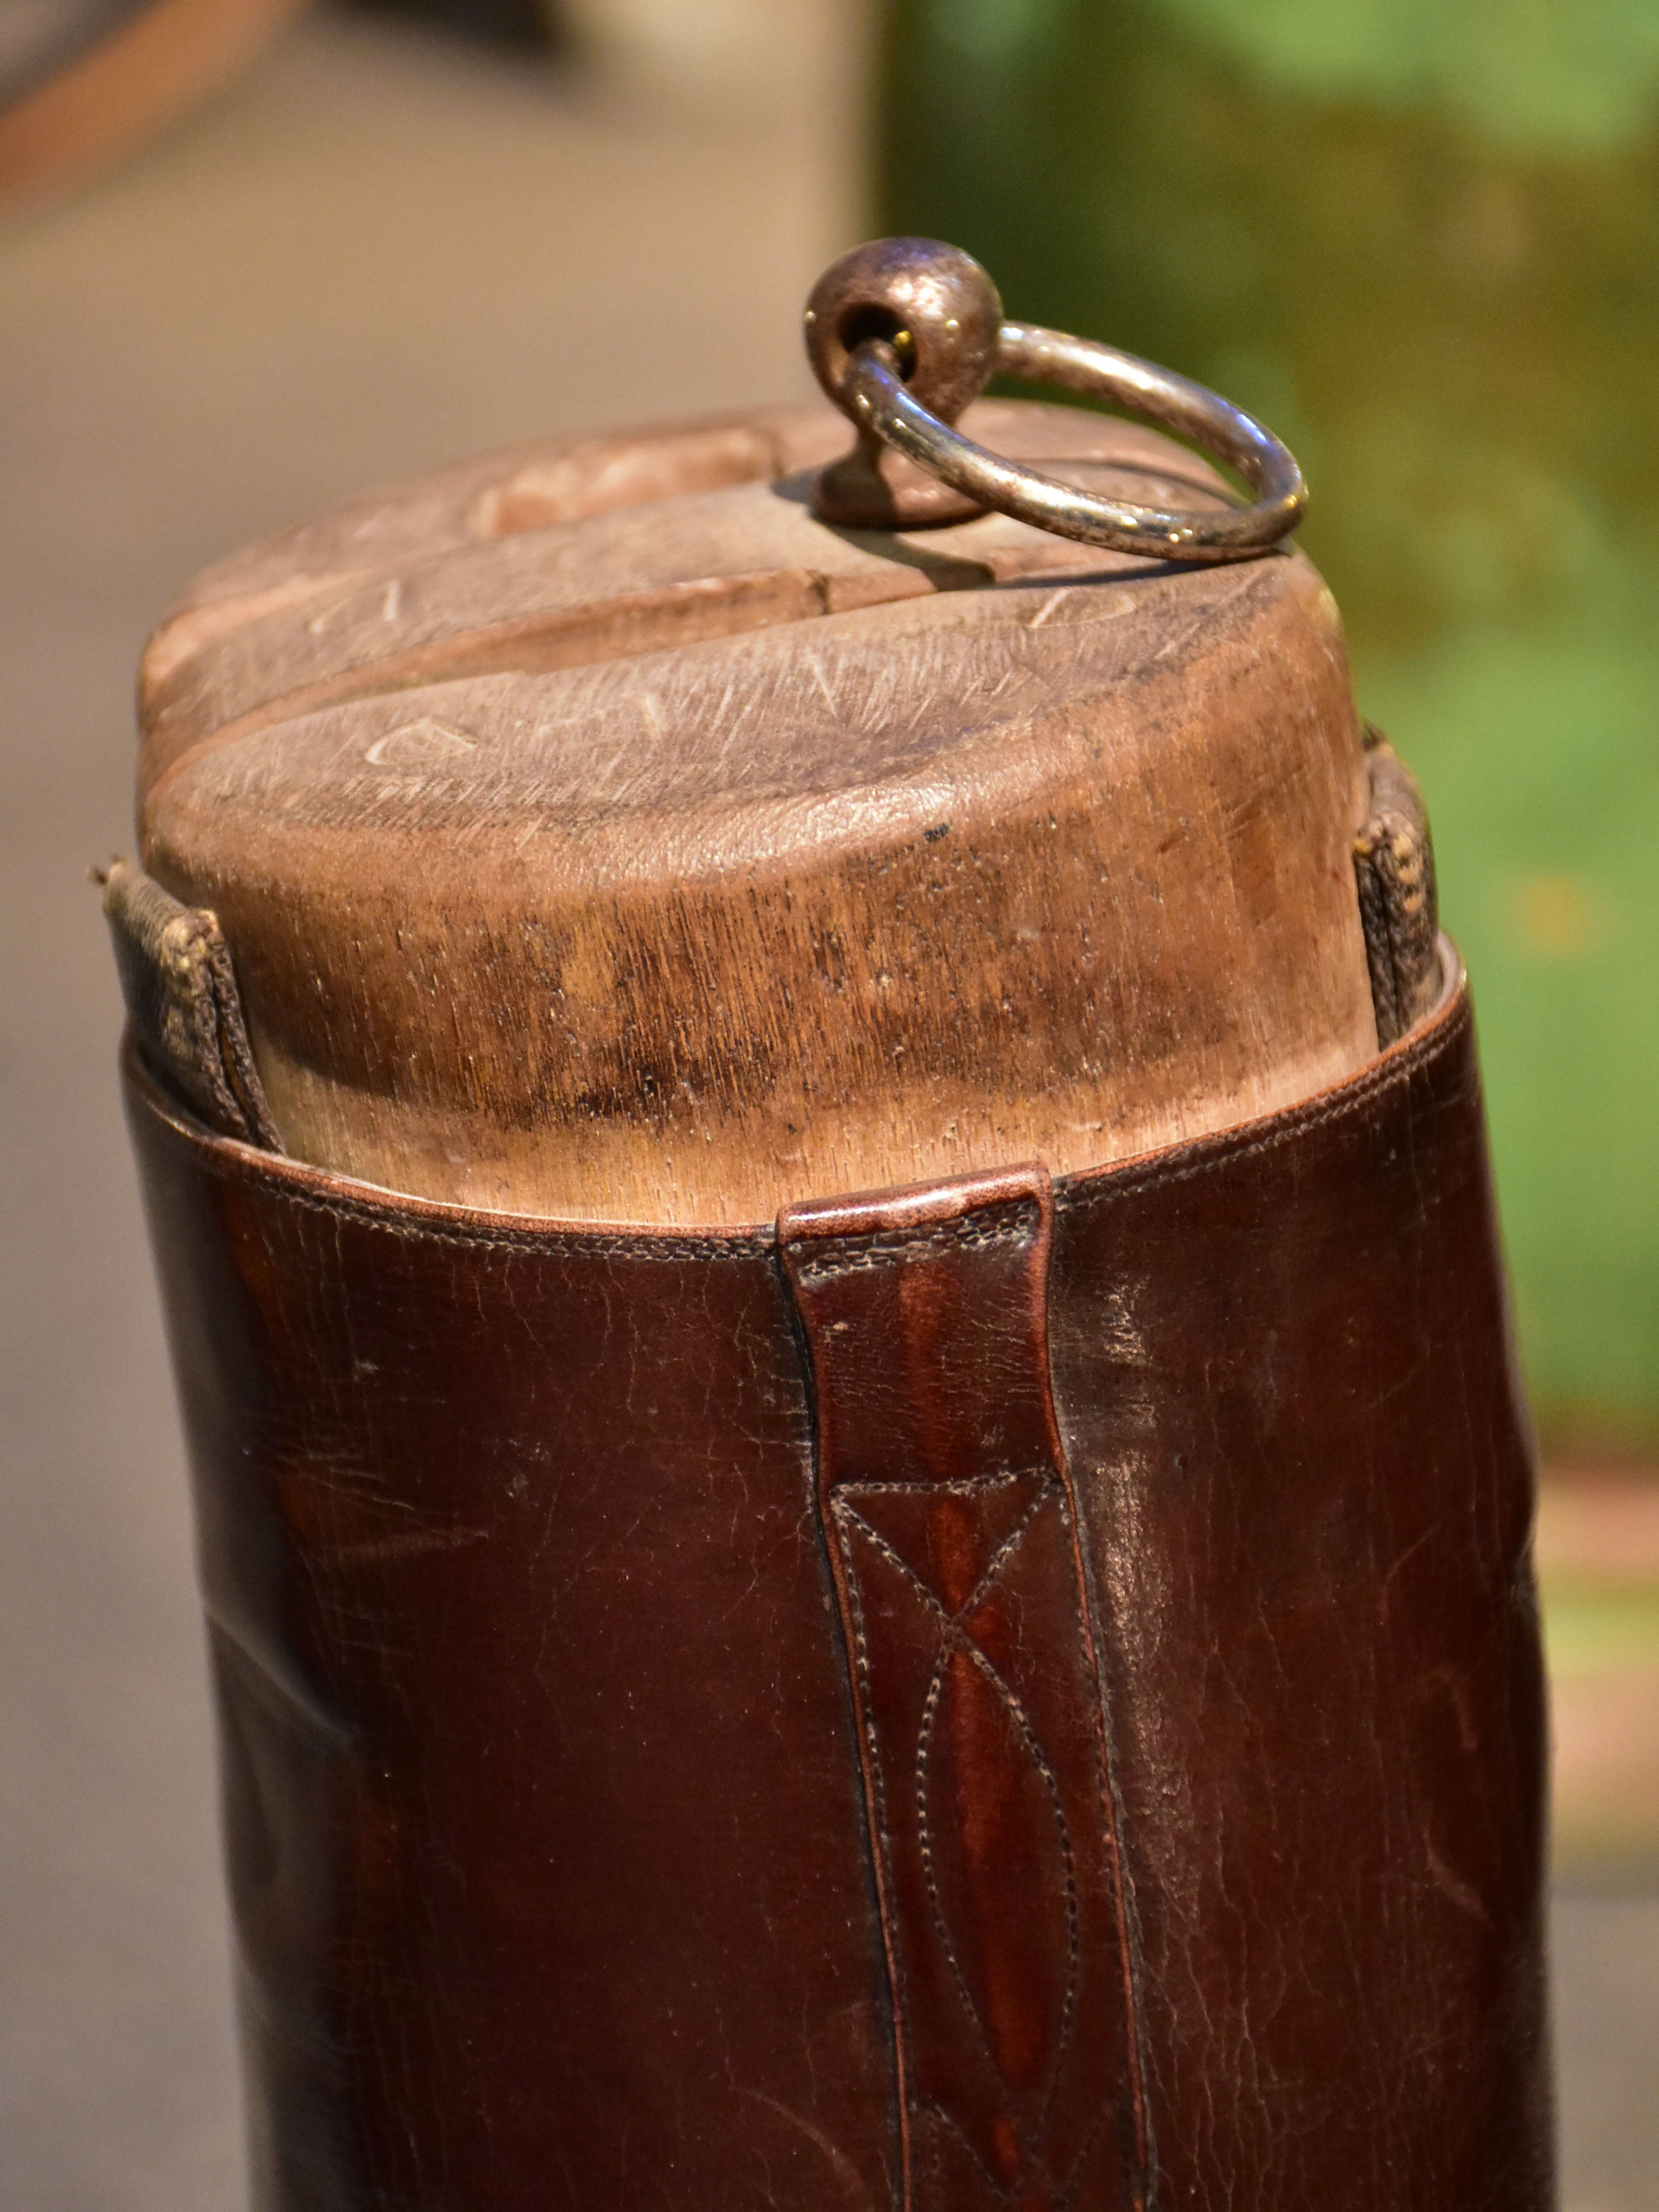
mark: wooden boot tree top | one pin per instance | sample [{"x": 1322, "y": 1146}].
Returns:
[{"x": 597, "y": 832}]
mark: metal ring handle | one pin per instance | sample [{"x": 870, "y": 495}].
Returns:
[
  {"x": 904, "y": 332},
  {"x": 879, "y": 400}
]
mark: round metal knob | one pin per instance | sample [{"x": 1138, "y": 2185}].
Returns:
[{"x": 932, "y": 305}]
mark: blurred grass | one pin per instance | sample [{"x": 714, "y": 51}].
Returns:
[
  {"x": 1421, "y": 239},
  {"x": 1590, "y": 1630}
]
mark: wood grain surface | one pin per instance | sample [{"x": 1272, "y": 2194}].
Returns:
[{"x": 597, "y": 833}]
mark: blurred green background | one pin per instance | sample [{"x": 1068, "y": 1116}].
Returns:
[{"x": 1421, "y": 239}]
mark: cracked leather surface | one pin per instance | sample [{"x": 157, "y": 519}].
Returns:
[
  {"x": 1283, "y": 1366},
  {"x": 545, "y": 1772}
]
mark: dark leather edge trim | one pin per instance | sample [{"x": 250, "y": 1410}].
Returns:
[
  {"x": 403, "y": 1215},
  {"x": 909, "y": 1218},
  {"x": 399, "y": 1215},
  {"x": 1389, "y": 1070}
]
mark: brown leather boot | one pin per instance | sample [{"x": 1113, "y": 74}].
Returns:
[{"x": 1020, "y": 1689}]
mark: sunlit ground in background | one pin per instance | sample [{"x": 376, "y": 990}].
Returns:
[
  {"x": 378, "y": 253},
  {"x": 1598, "y": 1548}
]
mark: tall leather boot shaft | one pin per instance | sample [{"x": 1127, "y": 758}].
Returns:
[{"x": 1020, "y": 1693}]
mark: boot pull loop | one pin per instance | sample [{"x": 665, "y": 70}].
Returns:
[
  {"x": 184, "y": 1008},
  {"x": 950, "y": 1515},
  {"x": 903, "y": 332}
]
